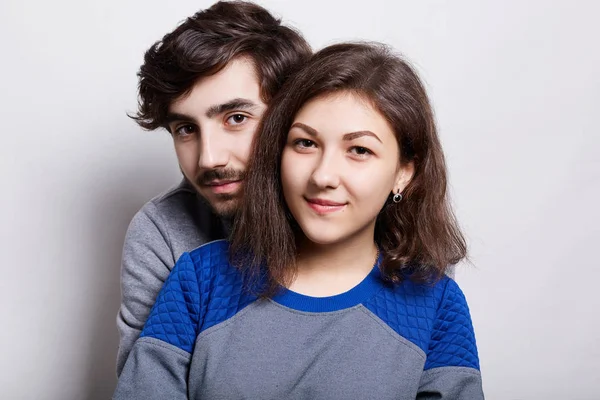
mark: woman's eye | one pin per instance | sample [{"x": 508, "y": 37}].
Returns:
[
  {"x": 185, "y": 130},
  {"x": 304, "y": 143},
  {"x": 236, "y": 119},
  {"x": 361, "y": 151}
]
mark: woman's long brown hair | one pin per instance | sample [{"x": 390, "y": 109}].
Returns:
[{"x": 419, "y": 237}]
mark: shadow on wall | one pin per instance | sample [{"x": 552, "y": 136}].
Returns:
[{"x": 119, "y": 196}]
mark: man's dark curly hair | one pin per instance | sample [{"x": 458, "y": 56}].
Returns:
[{"x": 205, "y": 43}]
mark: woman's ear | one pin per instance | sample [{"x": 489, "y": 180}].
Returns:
[{"x": 404, "y": 176}]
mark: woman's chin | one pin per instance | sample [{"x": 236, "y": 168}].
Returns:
[{"x": 322, "y": 237}]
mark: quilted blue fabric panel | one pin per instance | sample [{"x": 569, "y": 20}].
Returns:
[
  {"x": 175, "y": 314},
  {"x": 202, "y": 290},
  {"x": 409, "y": 309},
  {"x": 435, "y": 318},
  {"x": 453, "y": 339},
  {"x": 221, "y": 285}
]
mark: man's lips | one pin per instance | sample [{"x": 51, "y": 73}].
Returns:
[
  {"x": 223, "y": 186},
  {"x": 323, "y": 206}
]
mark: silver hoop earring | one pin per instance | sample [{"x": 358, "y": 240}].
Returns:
[{"x": 397, "y": 197}]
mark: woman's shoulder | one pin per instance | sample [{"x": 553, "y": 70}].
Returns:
[
  {"x": 415, "y": 291},
  {"x": 434, "y": 296},
  {"x": 209, "y": 262},
  {"x": 214, "y": 250},
  {"x": 413, "y": 309}
]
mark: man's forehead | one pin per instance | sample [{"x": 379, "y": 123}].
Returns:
[{"x": 238, "y": 80}]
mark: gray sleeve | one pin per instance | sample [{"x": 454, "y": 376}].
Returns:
[
  {"x": 450, "y": 383},
  {"x": 154, "y": 370},
  {"x": 146, "y": 264}
]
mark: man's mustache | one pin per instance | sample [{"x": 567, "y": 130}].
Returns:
[{"x": 220, "y": 174}]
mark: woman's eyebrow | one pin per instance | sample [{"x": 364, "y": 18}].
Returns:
[
  {"x": 357, "y": 134},
  {"x": 311, "y": 131},
  {"x": 347, "y": 137}
]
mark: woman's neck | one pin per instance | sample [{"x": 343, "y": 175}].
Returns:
[{"x": 327, "y": 270}]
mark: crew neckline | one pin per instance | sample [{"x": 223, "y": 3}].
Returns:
[{"x": 363, "y": 291}]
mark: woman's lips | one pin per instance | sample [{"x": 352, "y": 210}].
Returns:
[{"x": 324, "y": 206}]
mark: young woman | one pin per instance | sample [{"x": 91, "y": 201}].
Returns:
[{"x": 334, "y": 284}]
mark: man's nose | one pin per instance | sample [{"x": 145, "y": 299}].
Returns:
[{"x": 213, "y": 150}]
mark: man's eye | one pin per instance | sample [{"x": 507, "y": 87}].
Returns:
[
  {"x": 185, "y": 130},
  {"x": 236, "y": 119}
]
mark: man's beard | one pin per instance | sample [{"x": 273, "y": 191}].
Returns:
[
  {"x": 225, "y": 204},
  {"x": 226, "y": 207},
  {"x": 221, "y": 174}
]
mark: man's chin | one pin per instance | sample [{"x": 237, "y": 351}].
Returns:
[
  {"x": 224, "y": 205},
  {"x": 225, "y": 208}
]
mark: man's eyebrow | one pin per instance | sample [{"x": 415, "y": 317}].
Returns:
[
  {"x": 231, "y": 105},
  {"x": 347, "y": 137},
  {"x": 172, "y": 117}
]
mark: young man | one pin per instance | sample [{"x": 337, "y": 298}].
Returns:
[{"x": 208, "y": 83}]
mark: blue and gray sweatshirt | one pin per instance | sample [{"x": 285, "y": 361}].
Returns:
[
  {"x": 166, "y": 227},
  {"x": 207, "y": 337}
]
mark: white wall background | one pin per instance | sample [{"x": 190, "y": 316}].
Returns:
[{"x": 517, "y": 92}]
